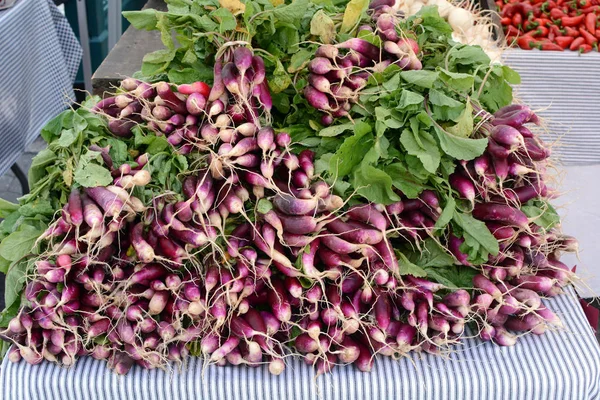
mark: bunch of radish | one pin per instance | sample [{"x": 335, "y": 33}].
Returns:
[
  {"x": 336, "y": 78},
  {"x": 91, "y": 220},
  {"x": 194, "y": 116},
  {"x": 128, "y": 175},
  {"x": 508, "y": 175},
  {"x": 110, "y": 309},
  {"x": 470, "y": 25},
  {"x": 257, "y": 259}
]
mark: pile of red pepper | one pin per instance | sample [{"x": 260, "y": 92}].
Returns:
[{"x": 551, "y": 24}]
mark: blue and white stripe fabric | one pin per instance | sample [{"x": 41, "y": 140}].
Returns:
[
  {"x": 565, "y": 88},
  {"x": 558, "y": 365},
  {"x": 39, "y": 58}
]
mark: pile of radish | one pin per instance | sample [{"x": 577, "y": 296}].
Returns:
[
  {"x": 470, "y": 24},
  {"x": 256, "y": 258}
]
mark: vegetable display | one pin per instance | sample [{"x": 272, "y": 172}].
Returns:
[
  {"x": 348, "y": 183},
  {"x": 552, "y": 25}
]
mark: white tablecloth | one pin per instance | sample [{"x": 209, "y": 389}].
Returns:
[
  {"x": 39, "y": 58},
  {"x": 559, "y": 365}
]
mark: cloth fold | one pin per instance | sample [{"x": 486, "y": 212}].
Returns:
[{"x": 39, "y": 59}]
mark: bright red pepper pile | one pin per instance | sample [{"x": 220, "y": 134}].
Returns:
[{"x": 551, "y": 24}]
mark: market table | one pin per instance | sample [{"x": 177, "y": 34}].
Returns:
[
  {"x": 39, "y": 58},
  {"x": 565, "y": 88},
  {"x": 561, "y": 365}
]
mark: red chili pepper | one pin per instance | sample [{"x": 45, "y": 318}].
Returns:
[
  {"x": 542, "y": 31},
  {"x": 576, "y": 43},
  {"x": 506, "y": 21},
  {"x": 555, "y": 30},
  {"x": 543, "y": 21},
  {"x": 571, "y": 31},
  {"x": 556, "y": 13},
  {"x": 537, "y": 1},
  {"x": 572, "y": 21},
  {"x": 510, "y": 40},
  {"x": 564, "y": 41},
  {"x": 589, "y": 38},
  {"x": 525, "y": 42},
  {"x": 590, "y": 22},
  {"x": 549, "y": 46},
  {"x": 512, "y": 31},
  {"x": 598, "y": 33},
  {"x": 585, "y": 48},
  {"x": 530, "y": 25},
  {"x": 517, "y": 20}
]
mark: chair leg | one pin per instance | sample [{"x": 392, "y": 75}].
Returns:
[{"x": 21, "y": 177}]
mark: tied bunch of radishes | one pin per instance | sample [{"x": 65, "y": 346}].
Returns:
[
  {"x": 342, "y": 301},
  {"x": 336, "y": 78},
  {"x": 414, "y": 219},
  {"x": 508, "y": 175},
  {"x": 195, "y": 116},
  {"x": 128, "y": 175},
  {"x": 109, "y": 307},
  {"x": 90, "y": 221},
  {"x": 398, "y": 50}
]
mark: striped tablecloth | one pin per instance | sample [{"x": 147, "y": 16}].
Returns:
[
  {"x": 559, "y": 365},
  {"x": 39, "y": 58},
  {"x": 565, "y": 88}
]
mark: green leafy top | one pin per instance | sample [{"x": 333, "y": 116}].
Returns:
[
  {"x": 66, "y": 162},
  {"x": 413, "y": 125}
]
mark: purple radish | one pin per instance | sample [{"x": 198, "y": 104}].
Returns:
[
  {"x": 163, "y": 89},
  {"x": 195, "y": 104},
  {"x": 454, "y": 244},
  {"x": 463, "y": 186},
  {"x": 369, "y": 215},
  {"x": 317, "y": 99},
  {"x": 501, "y": 213},
  {"x": 362, "y": 46},
  {"x": 258, "y": 66}
]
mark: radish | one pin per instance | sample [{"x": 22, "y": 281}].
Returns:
[
  {"x": 317, "y": 99},
  {"x": 163, "y": 89},
  {"x": 109, "y": 202},
  {"x": 369, "y": 215},
  {"x": 362, "y": 46},
  {"x": 501, "y": 213}
]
